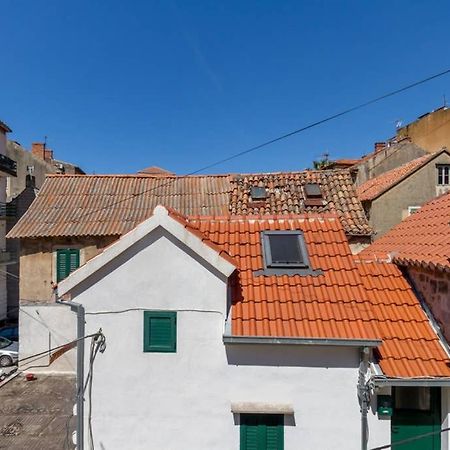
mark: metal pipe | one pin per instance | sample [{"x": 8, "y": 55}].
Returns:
[
  {"x": 79, "y": 309},
  {"x": 363, "y": 394}
]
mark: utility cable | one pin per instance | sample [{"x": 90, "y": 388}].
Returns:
[
  {"x": 272, "y": 141},
  {"x": 411, "y": 439}
]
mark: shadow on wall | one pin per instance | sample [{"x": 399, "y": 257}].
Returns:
[
  {"x": 289, "y": 419},
  {"x": 292, "y": 356}
]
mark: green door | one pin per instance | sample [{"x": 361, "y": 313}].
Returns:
[{"x": 417, "y": 411}]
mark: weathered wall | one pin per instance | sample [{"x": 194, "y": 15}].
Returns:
[
  {"x": 388, "y": 158},
  {"x": 431, "y": 132},
  {"x": 185, "y": 397},
  {"x": 43, "y": 327},
  {"x": 38, "y": 263},
  {"x": 434, "y": 286},
  {"x": 24, "y": 158},
  {"x": 392, "y": 207}
]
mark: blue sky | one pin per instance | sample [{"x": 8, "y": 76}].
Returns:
[{"x": 118, "y": 86}]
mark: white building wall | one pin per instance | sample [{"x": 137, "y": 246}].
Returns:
[
  {"x": 41, "y": 328},
  {"x": 183, "y": 400}
]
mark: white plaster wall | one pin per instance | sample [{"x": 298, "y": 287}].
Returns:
[
  {"x": 182, "y": 400},
  {"x": 42, "y": 327}
]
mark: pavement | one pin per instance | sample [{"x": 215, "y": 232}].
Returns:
[{"x": 37, "y": 415}]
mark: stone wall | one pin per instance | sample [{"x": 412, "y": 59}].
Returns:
[
  {"x": 434, "y": 286},
  {"x": 38, "y": 263}
]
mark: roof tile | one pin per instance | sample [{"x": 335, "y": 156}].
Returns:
[{"x": 352, "y": 299}]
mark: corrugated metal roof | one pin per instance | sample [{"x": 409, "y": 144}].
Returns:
[
  {"x": 96, "y": 205},
  {"x": 350, "y": 300}
]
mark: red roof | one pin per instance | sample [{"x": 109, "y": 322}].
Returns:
[
  {"x": 374, "y": 187},
  {"x": 349, "y": 300},
  {"x": 422, "y": 239}
]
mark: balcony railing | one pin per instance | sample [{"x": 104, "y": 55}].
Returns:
[
  {"x": 8, "y": 210},
  {"x": 7, "y": 165}
]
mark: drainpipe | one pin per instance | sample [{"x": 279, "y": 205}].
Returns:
[
  {"x": 79, "y": 309},
  {"x": 364, "y": 397}
]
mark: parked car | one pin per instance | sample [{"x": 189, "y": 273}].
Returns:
[
  {"x": 9, "y": 352},
  {"x": 10, "y": 332}
]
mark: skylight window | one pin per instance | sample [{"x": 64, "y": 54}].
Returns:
[
  {"x": 313, "y": 194},
  {"x": 312, "y": 190},
  {"x": 284, "y": 249},
  {"x": 258, "y": 193}
]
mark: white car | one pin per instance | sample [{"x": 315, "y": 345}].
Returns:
[{"x": 9, "y": 352}]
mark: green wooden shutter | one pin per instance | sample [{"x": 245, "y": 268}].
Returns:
[
  {"x": 160, "y": 331},
  {"x": 262, "y": 432},
  {"x": 67, "y": 260}
]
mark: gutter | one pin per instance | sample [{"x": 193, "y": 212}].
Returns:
[
  {"x": 79, "y": 309},
  {"x": 420, "y": 382},
  {"x": 267, "y": 340}
]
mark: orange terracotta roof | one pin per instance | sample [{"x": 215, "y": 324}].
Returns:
[
  {"x": 374, "y": 187},
  {"x": 285, "y": 196},
  {"x": 101, "y": 205},
  {"x": 422, "y": 239},
  {"x": 155, "y": 171},
  {"x": 350, "y": 300}
]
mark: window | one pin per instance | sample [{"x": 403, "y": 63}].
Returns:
[
  {"x": 443, "y": 171},
  {"x": 160, "y": 331},
  {"x": 258, "y": 193},
  {"x": 413, "y": 209},
  {"x": 262, "y": 432},
  {"x": 284, "y": 249},
  {"x": 67, "y": 260},
  {"x": 313, "y": 194}
]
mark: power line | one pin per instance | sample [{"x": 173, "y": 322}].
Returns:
[
  {"x": 277, "y": 139},
  {"x": 411, "y": 439}
]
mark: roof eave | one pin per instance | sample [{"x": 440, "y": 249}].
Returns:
[
  {"x": 419, "y": 381},
  {"x": 268, "y": 340}
]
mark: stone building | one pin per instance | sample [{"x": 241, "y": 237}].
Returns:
[
  {"x": 32, "y": 168},
  {"x": 390, "y": 197}
]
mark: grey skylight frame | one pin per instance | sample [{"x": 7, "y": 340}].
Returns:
[
  {"x": 267, "y": 253},
  {"x": 258, "y": 193}
]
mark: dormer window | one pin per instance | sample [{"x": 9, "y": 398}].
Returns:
[
  {"x": 284, "y": 249},
  {"x": 313, "y": 194},
  {"x": 443, "y": 174},
  {"x": 258, "y": 193}
]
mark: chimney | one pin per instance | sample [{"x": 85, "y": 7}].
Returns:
[
  {"x": 40, "y": 150},
  {"x": 48, "y": 155},
  {"x": 379, "y": 146}
]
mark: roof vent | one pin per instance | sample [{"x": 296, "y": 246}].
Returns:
[
  {"x": 258, "y": 193},
  {"x": 313, "y": 194}
]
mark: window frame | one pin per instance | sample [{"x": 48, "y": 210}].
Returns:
[
  {"x": 413, "y": 209},
  {"x": 147, "y": 346},
  {"x": 58, "y": 251},
  {"x": 441, "y": 174},
  {"x": 267, "y": 253}
]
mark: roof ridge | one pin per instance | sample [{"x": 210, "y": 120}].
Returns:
[{"x": 409, "y": 167}]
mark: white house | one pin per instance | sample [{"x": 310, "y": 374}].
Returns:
[{"x": 255, "y": 333}]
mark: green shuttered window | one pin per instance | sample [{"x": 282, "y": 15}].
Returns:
[
  {"x": 262, "y": 432},
  {"x": 160, "y": 331},
  {"x": 67, "y": 260}
]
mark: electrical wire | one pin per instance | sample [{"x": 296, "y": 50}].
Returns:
[
  {"x": 271, "y": 141},
  {"x": 411, "y": 439},
  {"x": 122, "y": 311}
]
